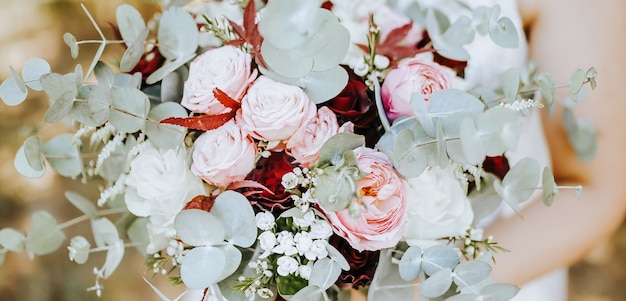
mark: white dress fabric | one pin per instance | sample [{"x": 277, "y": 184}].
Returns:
[{"x": 488, "y": 62}]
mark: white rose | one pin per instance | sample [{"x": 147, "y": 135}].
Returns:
[
  {"x": 160, "y": 232},
  {"x": 160, "y": 182},
  {"x": 273, "y": 111},
  {"x": 227, "y": 68},
  {"x": 223, "y": 156},
  {"x": 437, "y": 207}
]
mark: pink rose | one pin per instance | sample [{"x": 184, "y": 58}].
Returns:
[
  {"x": 383, "y": 199},
  {"x": 305, "y": 145},
  {"x": 226, "y": 68},
  {"x": 414, "y": 75},
  {"x": 223, "y": 156},
  {"x": 273, "y": 111}
]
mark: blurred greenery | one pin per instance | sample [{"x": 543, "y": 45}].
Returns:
[{"x": 34, "y": 28}]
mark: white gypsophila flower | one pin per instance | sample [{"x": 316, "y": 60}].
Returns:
[
  {"x": 305, "y": 220},
  {"x": 317, "y": 250},
  {"x": 286, "y": 245},
  {"x": 303, "y": 242},
  {"x": 287, "y": 265},
  {"x": 320, "y": 229},
  {"x": 267, "y": 242},
  {"x": 305, "y": 270},
  {"x": 289, "y": 180},
  {"x": 265, "y": 220},
  {"x": 476, "y": 234}
]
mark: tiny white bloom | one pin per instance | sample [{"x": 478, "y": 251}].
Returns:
[
  {"x": 305, "y": 220},
  {"x": 287, "y": 265},
  {"x": 303, "y": 242},
  {"x": 320, "y": 229},
  {"x": 290, "y": 180},
  {"x": 381, "y": 61},
  {"x": 286, "y": 245},
  {"x": 265, "y": 220},
  {"x": 317, "y": 250},
  {"x": 476, "y": 234},
  {"x": 267, "y": 240},
  {"x": 305, "y": 270}
]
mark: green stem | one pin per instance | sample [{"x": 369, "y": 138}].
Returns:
[{"x": 83, "y": 218}]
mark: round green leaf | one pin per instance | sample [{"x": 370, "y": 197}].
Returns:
[
  {"x": 18, "y": 80},
  {"x": 63, "y": 155},
  {"x": 237, "y": 217},
  {"x": 24, "y": 168},
  {"x": 576, "y": 81},
  {"x": 468, "y": 273},
  {"x": 199, "y": 228},
  {"x": 60, "y": 108},
  {"x": 81, "y": 203},
  {"x": 408, "y": 158},
  {"x": 438, "y": 257},
  {"x": 309, "y": 293},
  {"x": 502, "y": 31},
  {"x": 79, "y": 249},
  {"x": 45, "y": 237},
  {"x": 129, "y": 109},
  {"x": 548, "y": 186},
  {"x": 12, "y": 240},
  {"x": 130, "y": 23},
  {"x": 33, "y": 69},
  {"x": 70, "y": 41},
  {"x": 437, "y": 284},
  {"x": 134, "y": 52},
  {"x": 165, "y": 135},
  {"x": 202, "y": 267},
  {"x": 58, "y": 86},
  {"x": 324, "y": 273},
  {"x": 138, "y": 234},
  {"x": 33, "y": 151},
  {"x": 10, "y": 92},
  {"x": 411, "y": 263},
  {"x": 520, "y": 182},
  {"x": 178, "y": 34},
  {"x": 511, "y": 83},
  {"x": 332, "y": 150},
  {"x": 472, "y": 145},
  {"x": 103, "y": 74},
  {"x": 499, "y": 291},
  {"x": 546, "y": 87}
]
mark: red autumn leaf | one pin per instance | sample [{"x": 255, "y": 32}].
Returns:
[
  {"x": 249, "y": 33},
  {"x": 202, "y": 122},
  {"x": 393, "y": 48},
  {"x": 226, "y": 100}
]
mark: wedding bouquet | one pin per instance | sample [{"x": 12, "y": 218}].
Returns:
[{"x": 293, "y": 149}]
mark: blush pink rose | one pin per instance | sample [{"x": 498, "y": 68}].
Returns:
[
  {"x": 227, "y": 68},
  {"x": 305, "y": 145},
  {"x": 273, "y": 111},
  {"x": 223, "y": 156},
  {"x": 383, "y": 199},
  {"x": 411, "y": 76}
]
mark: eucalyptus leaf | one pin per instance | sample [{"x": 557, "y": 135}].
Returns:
[
  {"x": 82, "y": 113},
  {"x": 335, "y": 188},
  {"x": 337, "y": 257},
  {"x": 165, "y": 135},
  {"x": 18, "y": 80},
  {"x": 62, "y": 154},
  {"x": 103, "y": 74},
  {"x": 71, "y": 42},
  {"x": 130, "y": 23},
  {"x": 12, "y": 240},
  {"x": 78, "y": 77},
  {"x": 10, "y": 92},
  {"x": 581, "y": 135},
  {"x": 519, "y": 183},
  {"x": 129, "y": 109},
  {"x": 33, "y": 150},
  {"x": 546, "y": 87},
  {"x": 511, "y": 84},
  {"x": 134, "y": 52},
  {"x": 60, "y": 108},
  {"x": 420, "y": 109},
  {"x": 178, "y": 34},
  {"x": 199, "y": 228},
  {"x": 235, "y": 212},
  {"x": 309, "y": 293},
  {"x": 442, "y": 154},
  {"x": 138, "y": 234},
  {"x": 502, "y": 31},
  {"x": 24, "y": 168},
  {"x": 333, "y": 149},
  {"x": 202, "y": 266},
  {"x": 437, "y": 257},
  {"x": 576, "y": 81},
  {"x": 79, "y": 249},
  {"x": 499, "y": 291},
  {"x": 45, "y": 237},
  {"x": 286, "y": 63},
  {"x": 409, "y": 158},
  {"x": 58, "y": 86},
  {"x": 437, "y": 284},
  {"x": 172, "y": 87},
  {"x": 83, "y": 204},
  {"x": 460, "y": 31},
  {"x": 548, "y": 186},
  {"x": 324, "y": 273},
  {"x": 411, "y": 263},
  {"x": 233, "y": 259},
  {"x": 168, "y": 68},
  {"x": 471, "y": 272},
  {"x": 321, "y": 86},
  {"x": 33, "y": 69},
  {"x": 446, "y": 102},
  {"x": 473, "y": 148}
]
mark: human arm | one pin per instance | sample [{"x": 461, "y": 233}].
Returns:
[{"x": 566, "y": 35}]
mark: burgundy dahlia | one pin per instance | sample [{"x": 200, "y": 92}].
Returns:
[{"x": 362, "y": 264}]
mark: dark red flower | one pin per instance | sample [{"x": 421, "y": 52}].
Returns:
[
  {"x": 498, "y": 166},
  {"x": 355, "y": 104},
  {"x": 362, "y": 264},
  {"x": 269, "y": 173}
]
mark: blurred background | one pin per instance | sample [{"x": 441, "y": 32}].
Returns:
[{"x": 34, "y": 28}]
